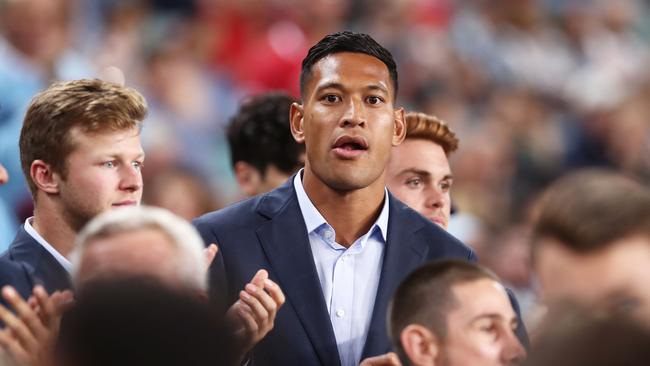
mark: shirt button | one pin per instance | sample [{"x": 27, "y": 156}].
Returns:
[{"x": 340, "y": 313}]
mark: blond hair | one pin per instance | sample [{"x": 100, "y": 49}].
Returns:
[{"x": 91, "y": 105}]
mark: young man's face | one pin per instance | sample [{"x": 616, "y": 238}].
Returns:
[
  {"x": 348, "y": 121},
  {"x": 103, "y": 172},
  {"x": 418, "y": 174},
  {"x": 614, "y": 278},
  {"x": 480, "y": 329}
]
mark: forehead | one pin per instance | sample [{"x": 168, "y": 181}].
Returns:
[
  {"x": 421, "y": 154},
  {"x": 482, "y": 296},
  {"x": 622, "y": 266},
  {"x": 349, "y": 69},
  {"x": 125, "y": 140}
]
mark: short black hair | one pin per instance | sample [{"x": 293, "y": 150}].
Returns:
[
  {"x": 346, "y": 42},
  {"x": 425, "y": 297},
  {"x": 260, "y": 134}
]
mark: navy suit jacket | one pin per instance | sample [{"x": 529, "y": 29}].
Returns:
[
  {"x": 33, "y": 265},
  {"x": 268, "y": 231}
]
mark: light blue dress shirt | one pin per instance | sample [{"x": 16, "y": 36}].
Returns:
[{"x": 348, "y": 276}]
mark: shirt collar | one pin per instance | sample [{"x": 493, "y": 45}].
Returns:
[
  {"x": 65, "y": 263},
  {"x": 314, "y": 219}
]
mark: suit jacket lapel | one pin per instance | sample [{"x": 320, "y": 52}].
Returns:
[
  {"x": 402, "y": 254},
  {"x": 286, "y": 244}
]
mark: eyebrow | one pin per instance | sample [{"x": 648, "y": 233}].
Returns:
[
  {"x": 336, "y": 85},
  {"x": 493, "y": 316},
  {"x": 423, "y": 173}
]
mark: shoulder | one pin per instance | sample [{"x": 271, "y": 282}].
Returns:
[
  {"x": 249, "y": 213},
  {"x": 437, "y": 241},
  {"x": 15, "y": 274}
]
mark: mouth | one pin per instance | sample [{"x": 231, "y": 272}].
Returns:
[
  {"x": 437, "y": 220},
  {"x": 125, "y": 203},
  {"x": 349, "y": 147}
]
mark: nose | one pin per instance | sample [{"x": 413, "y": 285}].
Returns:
[
  {"x": 131, "y": 178},
  {"x": 435, "y": 197},
  {"x": 355, "y": 114},
  {"x": 513, "y": 352}
]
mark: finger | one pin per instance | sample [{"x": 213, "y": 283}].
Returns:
[
  {"x": 27, "y": 315},
  {"x": 48, "y": 311},
  {"x": 13, "y": 347},
  {"x": 275, "y": 291},
  {"x": 249, "y": 325},
  {"x": 62, "y": 301},
  {"x": 260, "y": 276},
  {"x": 210, "y": 253},
  {"x": 16, "y": 329},
  {"x": 256, "y": 306}
]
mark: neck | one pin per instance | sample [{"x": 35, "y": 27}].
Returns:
[
  {"x": 351, "y": 213},
  {"x": 53, "y": 228}
]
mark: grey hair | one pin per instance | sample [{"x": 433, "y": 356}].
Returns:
[{"x": 191, "y": 266}]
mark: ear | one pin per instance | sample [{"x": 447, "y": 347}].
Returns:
[
  {"x": 44, "y": 178},
  {"x": 399, "y": 132},
  {"x": 420, "y": 345},
  {"x": 248, "y": 178},
  {"x": 297, "y": 114}
]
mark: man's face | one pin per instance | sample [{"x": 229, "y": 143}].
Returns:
[
  {"x": 143, "y": 252},
  {"x": 418, "y": 174},
  {"x": 480, "y": 329},
  {"x": 348, "y": 121},
  {"x": 614, "y": 278},
  {"x": 103, "y": 172}
]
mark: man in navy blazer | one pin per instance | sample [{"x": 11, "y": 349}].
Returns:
[
  {"x": 334, "y": 239},
  {"x": 81, "y": 155}
]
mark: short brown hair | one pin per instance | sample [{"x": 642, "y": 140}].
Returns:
[
  {"x": 590, "y": 209},
  {"x": 424, "y": 126},
  {"x": 425, "y": 297},
  {"x": 92, "y": 105}
]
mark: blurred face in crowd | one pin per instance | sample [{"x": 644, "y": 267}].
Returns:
[
  {"x": 102, "y": 172},
  {"x": 614, "y": 278},
  {"x": 144, "y": 252},
  {"x": 348, "y": 122},
  {"x": 481, "y": 328},
  {"x": 4, "y": 176},
  {"x": 419, "y": 175}
]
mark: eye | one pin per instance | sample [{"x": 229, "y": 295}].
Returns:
[
  {"x": 414, "y": 182},
  {"x": 331, "y": 98},
  {"x": 109, "y": 164},
  {"x": 446, "y": 185},
  {"x": 373, "y": 99},
  {"x": 137, "y": 165}
]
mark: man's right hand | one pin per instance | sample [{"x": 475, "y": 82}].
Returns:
[{"x": 254, "y": 313}]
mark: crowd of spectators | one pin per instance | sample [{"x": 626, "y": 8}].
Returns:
[{"x": 533, "y": 89}]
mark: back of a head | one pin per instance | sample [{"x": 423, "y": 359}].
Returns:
[
  {"x": 90, "y": 105},
  {"x": 590, "y": 209},
  {"x": 575, "y": 337},
  {"x": 187, "y": 263},
  {"x": 426, "y": 296},
  {"x": 427, "y": 127},
  {"x": 346, "y": 41},
  {"x": 141, "y": 322},
  {"x": 259, "y": 134}
]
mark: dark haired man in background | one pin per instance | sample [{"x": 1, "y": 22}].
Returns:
[
  {"x": 332, "y": 237},
  {"x": 263, "y": 152},
  {"x": 454, "y": 313}
]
